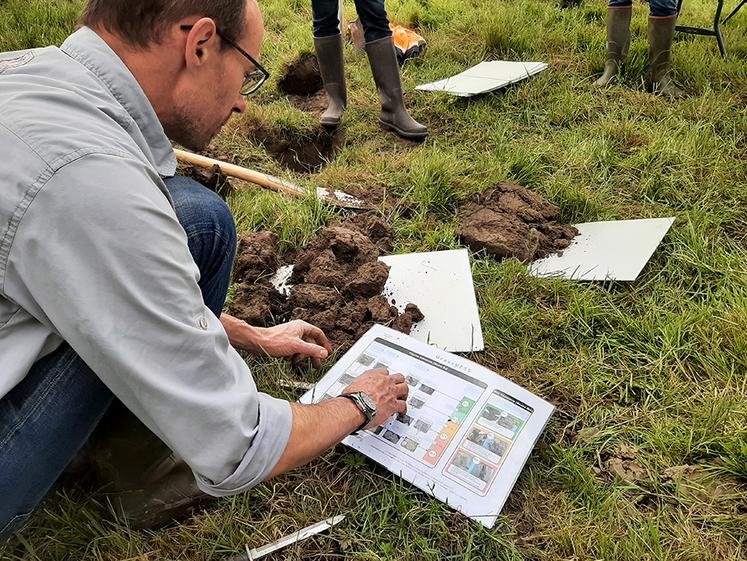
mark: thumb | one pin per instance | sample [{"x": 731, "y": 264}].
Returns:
[{"x": 310, "y": 349}]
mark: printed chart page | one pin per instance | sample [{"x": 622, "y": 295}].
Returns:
[{"x": 467, "y": 433}]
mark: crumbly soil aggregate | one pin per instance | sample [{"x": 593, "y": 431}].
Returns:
[
  {"x": 511, "y": 221},
  {"x": 337, "y": 281}
]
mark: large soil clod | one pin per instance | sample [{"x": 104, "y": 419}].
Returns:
[
  {"x": 337, "y": 281},
  {"x": 512, "y": 221}
]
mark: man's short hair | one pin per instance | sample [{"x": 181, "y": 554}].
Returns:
[{"x": 143, "y": 22}]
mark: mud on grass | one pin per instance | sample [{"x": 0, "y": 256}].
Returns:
[{"x": 512, "y": 221}]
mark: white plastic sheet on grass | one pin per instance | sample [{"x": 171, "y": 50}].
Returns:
[
  {"x": 440, "y": 284},
  {"x": 613, "y": 250},
  {"x": 485, "y": 77}
]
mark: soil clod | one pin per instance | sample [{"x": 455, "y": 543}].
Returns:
[
  {"x": 512, "y": 221},
  {"x": 337, "y": 281}
]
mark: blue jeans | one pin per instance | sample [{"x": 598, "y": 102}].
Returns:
[
  {"x": 657, "y": 8},
  {"x": 50, "y": 414},
  {"x": 372, "y": 14}
]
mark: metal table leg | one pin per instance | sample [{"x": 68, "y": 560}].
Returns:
[
  {"x": 739, "y": 7},
  {"x": 715, "y": 32}
]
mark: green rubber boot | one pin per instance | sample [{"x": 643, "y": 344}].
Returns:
[
  {"x": 332, "y": 68},
  {"x": 385, "y": 70},
  {"x": 659, "y": 79},
  {"x": 618, "y": 42}
]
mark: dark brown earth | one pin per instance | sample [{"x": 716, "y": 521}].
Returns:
[
  {"x": 301, "y": 76},
  {"x": 337, "y": 281},
  {"x": 512, "y": 221},
  {"x": 212, "y": 178},
  {"x": 299, "y": 152}
]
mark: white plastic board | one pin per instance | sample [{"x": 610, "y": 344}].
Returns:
[
  {"x": 485, "y": 77},
  {"x": 614, "y": 250},
  {"x": 440, "y": 284},
  {"x": 467, "y": 432}
]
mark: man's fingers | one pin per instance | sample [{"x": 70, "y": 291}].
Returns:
[
  {"x": 402, "y": 390},
  {"x": 401, "y": 406},
  {"x": 398, "y": 378},
  {"x": 310, "y": 349},
  {"x": 318, "y": 336}
]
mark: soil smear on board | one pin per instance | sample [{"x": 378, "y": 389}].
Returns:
[
  {"x": 511, "y": 221},
  {"x": 337, "y": 281}
]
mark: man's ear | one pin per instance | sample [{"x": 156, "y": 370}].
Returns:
[{"x": 202, "y": 42}]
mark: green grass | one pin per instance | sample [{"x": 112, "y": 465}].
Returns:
[{"x": 659, "y": 365}]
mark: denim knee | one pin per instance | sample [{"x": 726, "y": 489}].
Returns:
[
  {"x": 199, "y": 209},
  {"x": 211, "y": 236}
]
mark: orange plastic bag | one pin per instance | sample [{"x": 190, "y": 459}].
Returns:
[{"x": 407, "y": 43}]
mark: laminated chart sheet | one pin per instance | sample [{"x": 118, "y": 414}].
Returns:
[
  {"x": 485, "y": 77},
  {"x": 467, "y": 433}
]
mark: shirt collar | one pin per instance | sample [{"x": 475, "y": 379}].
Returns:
[{"x": 90, "y": 50}]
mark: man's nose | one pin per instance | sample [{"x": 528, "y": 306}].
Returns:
[{"x": 239, "y": 105}]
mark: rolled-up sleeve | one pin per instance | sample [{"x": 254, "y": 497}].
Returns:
[{"x": 100, "y": 257}]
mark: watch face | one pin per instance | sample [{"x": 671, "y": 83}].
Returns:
[{"x": 368, "y": 401}]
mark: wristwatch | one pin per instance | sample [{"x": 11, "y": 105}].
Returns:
[{"x": 366, "y": 404}]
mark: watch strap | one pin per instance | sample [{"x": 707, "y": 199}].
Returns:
[{"x": 355, "y": 399}]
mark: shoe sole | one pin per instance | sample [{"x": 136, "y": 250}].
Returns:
[
  {"x": 403, "y": 134},
  {"x": 329, "y": 124}
]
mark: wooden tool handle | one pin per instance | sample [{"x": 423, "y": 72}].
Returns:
[{"x": 232, "y": 170}]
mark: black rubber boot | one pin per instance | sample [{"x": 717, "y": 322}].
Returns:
[
  {"x": 618, "y": 42},
  {"x": 385, "y": 72},
  {"x": 659, "y": 79},
  {"x": 144, "y": 480},
  {"x": 332, "y": 68}
]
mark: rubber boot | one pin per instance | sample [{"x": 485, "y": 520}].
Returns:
[
  {"x": 618, "y": 42},
  {"x": 144, "y": 480},
  {"x": 385, "y": 70},
  {"x": 659, "y": 79},
  {"x": 332, "y": 68}
]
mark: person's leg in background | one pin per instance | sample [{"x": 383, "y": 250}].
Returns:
[
  {"x": 385, "y": 70},
  {"x": 50, "y": 414},
  {"x": 661, "y": 27},
  {"x": 619, "y": 13},
  {"x": 328, "y": 46}
]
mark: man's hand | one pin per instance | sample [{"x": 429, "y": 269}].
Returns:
[
  {"x": 389, "y": 391},
  {"x": 296, "y": 339},
  {"x": 320, "y": 426}
]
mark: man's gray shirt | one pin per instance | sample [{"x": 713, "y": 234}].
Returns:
[{"x": 91, "y": 253}]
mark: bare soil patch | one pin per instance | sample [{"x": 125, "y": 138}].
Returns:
[
  {"x": 301, "y": 76},
  {"x": 337, "y": 281},
  {"x": 512, "y": 221},
  {"x": 304, "y": 153}
]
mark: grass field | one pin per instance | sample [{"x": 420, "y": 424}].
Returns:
[{"x": 653, "y": 371}]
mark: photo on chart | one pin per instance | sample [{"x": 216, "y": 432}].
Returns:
[{"x": 471, "y": 469}]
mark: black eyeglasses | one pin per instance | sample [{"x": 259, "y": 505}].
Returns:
[{"x": 253, "y": 80}]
